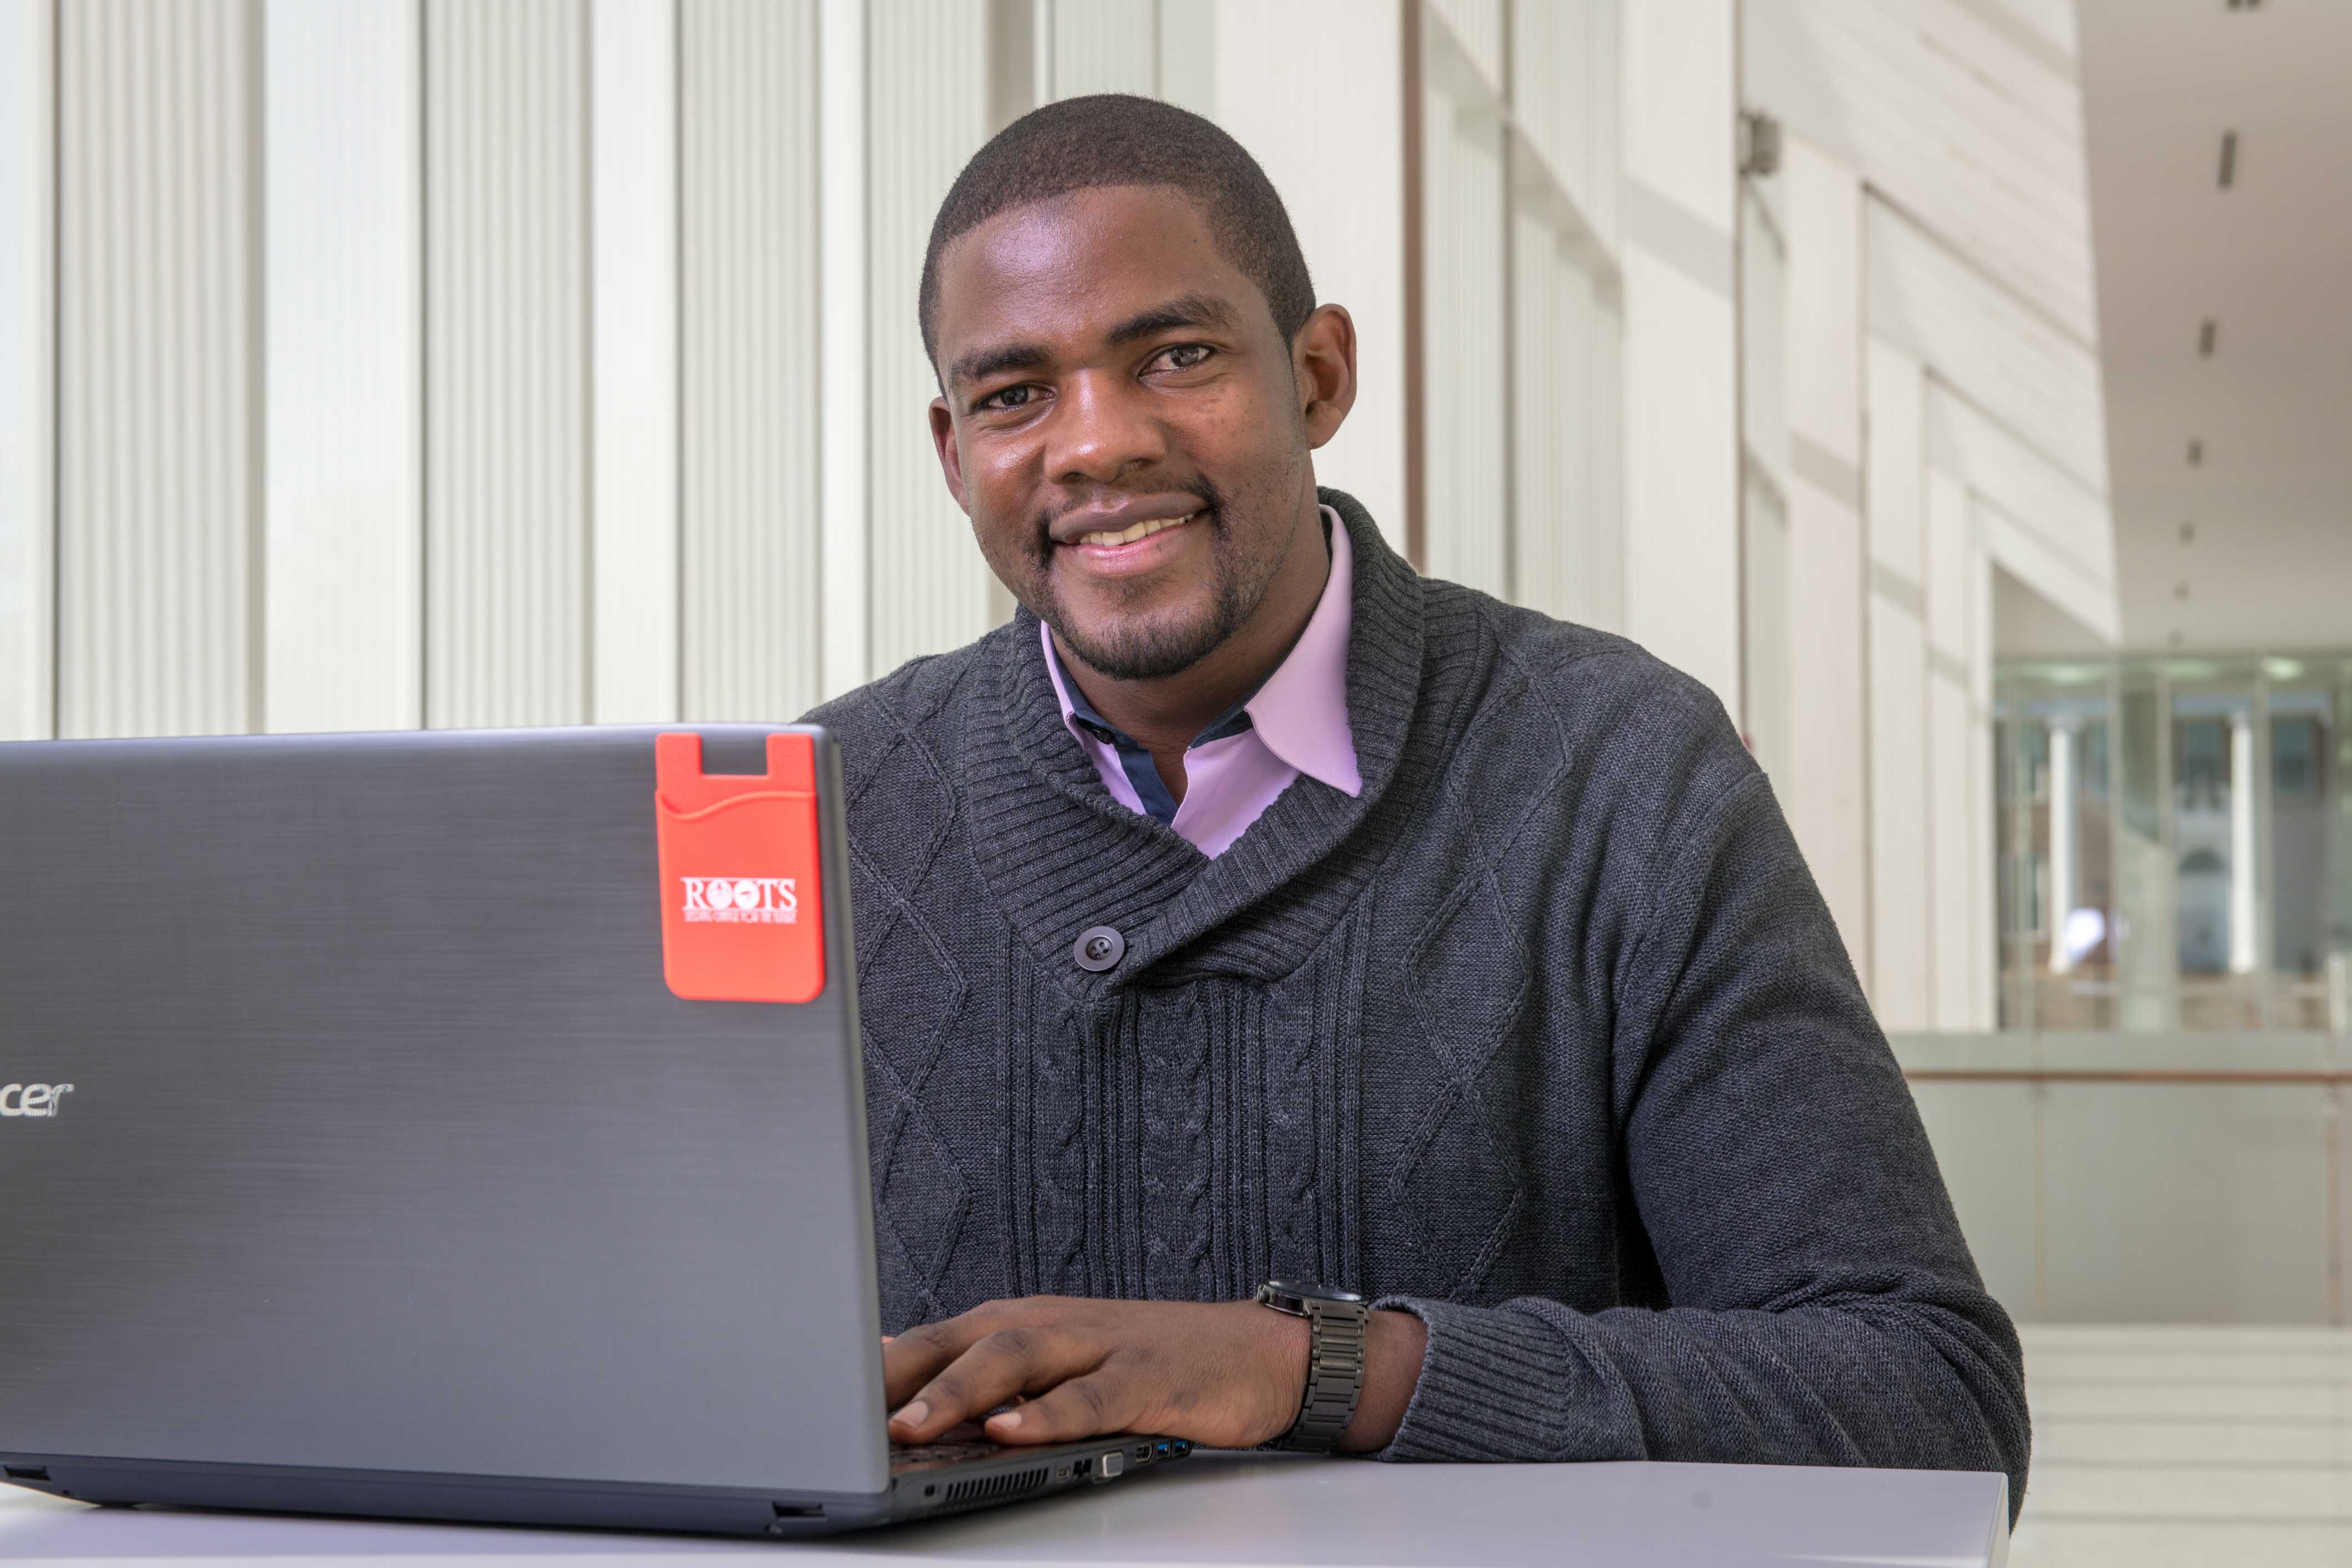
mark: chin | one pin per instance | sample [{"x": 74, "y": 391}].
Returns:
[{"x": 1143, "y": 646}]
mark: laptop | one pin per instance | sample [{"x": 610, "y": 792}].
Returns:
[{"x": 451, "y": 1124}]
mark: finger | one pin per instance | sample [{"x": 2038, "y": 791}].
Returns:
[
  {"x": 913, "y": 1358},
  {"x": 1106, "y": 1400},
  {"x": 1009, "y": 1361}
]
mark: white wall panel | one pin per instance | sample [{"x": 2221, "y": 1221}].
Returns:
[
  {"x": 1825, "y": 795},
  {"x": 927, "y": 113},
  {"x": 1188, "y": 54},
  {"x": 1950, "y": 845},
  {"x": 1478, "y": 27},
  {"x": 635, "y": 244},
  {"x": 1098, "y": 46},
  {"x": 27, "y": 369},
  {"x": 1902, "y": 930},
  {"x": 345, "y": 518},
  {"x": 1973, "y": 127},
  {"x": 754, "y": 607},
  {"x": 1679, "y": 96},
  {"x": 1345, "y": 194},
  {"x": 506, "y": 311},
  {"x": 2003, "y": 355},
  {"x": 1895, "y": 464},
  {"x": 1682, "y": 433},
  {"x": 1566, "y": 532},
  {"x": 845, "y": 466},
  {"x": 159, "y": 401},
  {"x": 2054, "y": 531},
  {"x": 1955, "y": 796},
  {"x": 1466, "y": 538}
]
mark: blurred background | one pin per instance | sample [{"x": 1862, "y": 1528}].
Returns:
[{"x": 1956, "y": 386}]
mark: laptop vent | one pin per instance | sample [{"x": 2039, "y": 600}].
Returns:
[{"x": 988, "y": 1488}]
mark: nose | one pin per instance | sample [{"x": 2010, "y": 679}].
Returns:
[{"x": 1101, "y": 431}]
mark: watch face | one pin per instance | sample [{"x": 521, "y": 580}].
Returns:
[{"x": 1313, "y": 1292}]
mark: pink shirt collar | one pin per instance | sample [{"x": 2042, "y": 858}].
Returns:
[{"x": 1301, "y": 711}]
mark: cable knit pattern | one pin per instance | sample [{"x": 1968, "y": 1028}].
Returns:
[{"x": 1545, "y": 1036}]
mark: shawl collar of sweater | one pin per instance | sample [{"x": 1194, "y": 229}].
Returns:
[{"x": 1061, "y": 856}]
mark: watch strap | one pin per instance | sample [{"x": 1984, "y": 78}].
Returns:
[{"x": 1335, "y": 1373}]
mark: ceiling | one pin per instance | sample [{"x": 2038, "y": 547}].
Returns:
[{"x": 2266, "y": 563}]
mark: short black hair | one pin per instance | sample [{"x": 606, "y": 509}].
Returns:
[{"x": 1117, "y": 139}]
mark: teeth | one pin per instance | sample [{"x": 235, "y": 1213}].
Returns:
[{"x": 1140, "y": 531}]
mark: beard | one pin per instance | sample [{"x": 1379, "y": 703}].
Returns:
[{"x": 1154, "y": 646}]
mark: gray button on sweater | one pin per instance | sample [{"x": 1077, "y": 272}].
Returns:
[{"x": 1546, "y": 1036}]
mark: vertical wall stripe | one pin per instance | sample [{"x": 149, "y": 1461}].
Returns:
[
  {"x": 159, "y": 390},
  {"x": 633, "y": 245},
  {"x": 927, "y": 113},
  {"x": 751, "y": 361},
  {"x": 340, "y": 365},
  {"x": 27, "y": 369},
  {"x": 506, "y": 523},
  {"x": 845, "y": 468},
  {"x": 1098, "y": 46},
  {"x": 1464, "y": 312}
]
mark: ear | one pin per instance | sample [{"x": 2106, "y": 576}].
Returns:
[
  {"x": 1323, "y": 364},
  {"x": 950, "y": 456}
]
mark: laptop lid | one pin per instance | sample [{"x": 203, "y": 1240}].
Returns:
[{"x": 389, "y": 1145}]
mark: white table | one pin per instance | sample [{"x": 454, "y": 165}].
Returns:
[{"x": 1214, "y": 1508}]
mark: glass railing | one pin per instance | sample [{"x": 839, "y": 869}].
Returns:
[{"x": 2174, "y": 842}]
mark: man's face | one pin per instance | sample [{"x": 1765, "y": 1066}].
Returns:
[{"x": 1123, "y": 423}]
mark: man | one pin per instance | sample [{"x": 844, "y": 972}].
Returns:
[{"x": 1250, "y": 907}]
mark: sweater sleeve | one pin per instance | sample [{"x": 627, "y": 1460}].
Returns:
[{"x": 1824, "y": 1308}]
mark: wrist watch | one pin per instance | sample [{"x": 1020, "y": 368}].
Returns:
[{"x": 1335, "y": 1359}]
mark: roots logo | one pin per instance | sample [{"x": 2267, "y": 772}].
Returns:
[
  {"x": 33, "y": 1098},
  {"x": 742, "y": 900}
]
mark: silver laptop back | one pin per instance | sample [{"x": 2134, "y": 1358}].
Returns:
[{"x": 388, "y": 1148}]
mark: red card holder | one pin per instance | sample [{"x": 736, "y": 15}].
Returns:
[{"x": 742, "y": 905}]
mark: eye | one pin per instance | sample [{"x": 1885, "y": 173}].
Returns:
[
  {"x": 1185, "y": 356},
  {"x": 1009, "y": 397}
]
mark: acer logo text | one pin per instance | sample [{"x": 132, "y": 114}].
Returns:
[
  {"x": 742, "y": 900},
  {"x": 33, "y": 1098}
]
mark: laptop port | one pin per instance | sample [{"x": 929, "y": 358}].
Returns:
[
  {"x": 26, "y": 1472},
  {"x": 1163, "y": 1450},
  {"x": 800, "y": 1510},
  {"x": 1061, "y": 1472},
  {"x": 1113, "y": 1464},
  {"x": 1143, "y": 1453}
]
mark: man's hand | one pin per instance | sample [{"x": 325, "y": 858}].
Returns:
[{"x": 1227, "y": 1375}]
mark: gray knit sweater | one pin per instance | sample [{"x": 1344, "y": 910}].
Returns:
[{"x": 1546, "y": 1037}]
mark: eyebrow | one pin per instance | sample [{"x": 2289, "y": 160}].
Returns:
[{"x": 1185, "y": 310}]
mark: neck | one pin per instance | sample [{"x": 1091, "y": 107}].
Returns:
[{"x": 1166, "y": 713}]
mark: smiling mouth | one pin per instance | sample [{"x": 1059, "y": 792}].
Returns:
[{"x": 1142, "y": 531}]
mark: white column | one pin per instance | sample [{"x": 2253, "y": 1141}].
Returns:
[
  {"x": 507, "y": 468},
  {"x": 2064, "y": 815},
  {"x": 345, "y": 448},
  {"x": 2245, "y": 949},
  {"x": 1677, "y": 208},
  {"x": 158, "y": 368},
  {"x": 752, "y": 518},
  {"x": 846, "y": 655},
  {"x": 27, "y": 366},
  {"x": 633, "y": 105},
  {"x": 1901, "y": 890},
  {"x": 926, "y": 113},
  {"x": 1342, "y": 182},
  {"x": 1824, "y": 785}
]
